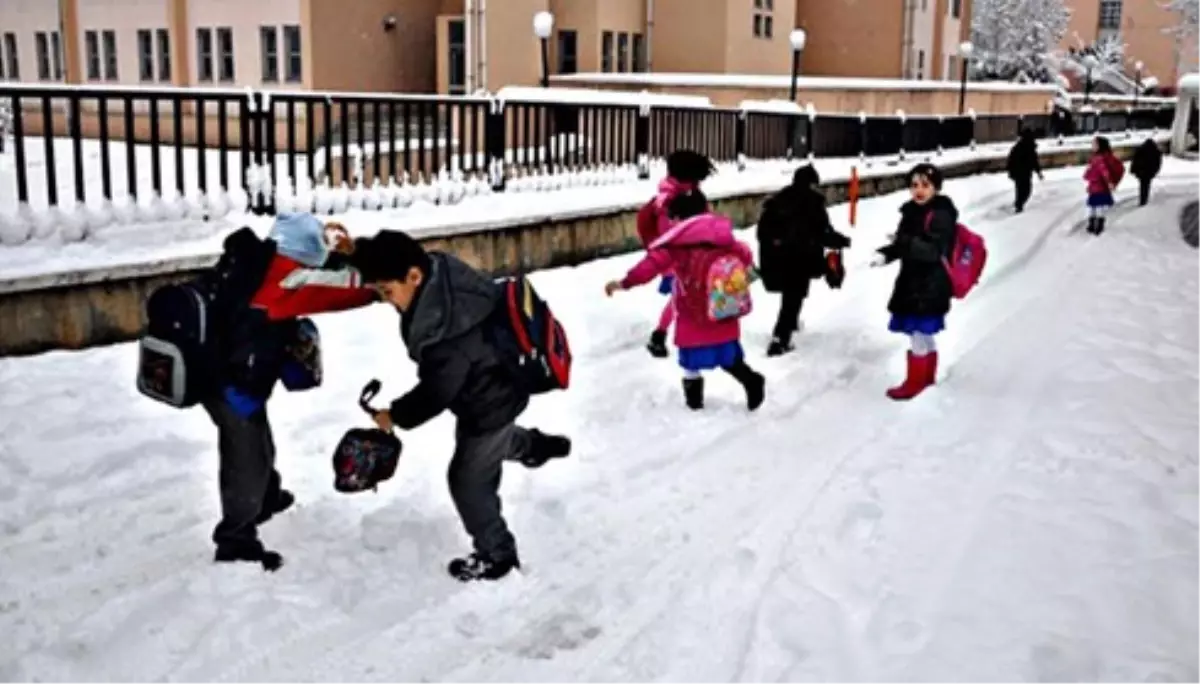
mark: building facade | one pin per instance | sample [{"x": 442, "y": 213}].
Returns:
[{"x": 1145, "y": 29}]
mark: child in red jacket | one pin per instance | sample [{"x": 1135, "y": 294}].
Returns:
[{"x": 1104, "y": 172}]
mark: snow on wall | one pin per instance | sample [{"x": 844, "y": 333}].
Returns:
[
  {"x": 813, "y": 82},
  {"x": 587, "y": 96}
]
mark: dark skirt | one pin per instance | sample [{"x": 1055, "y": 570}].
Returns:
[
  {"x": 696, "y": 359},
  {"x": 909, "y": 325}
]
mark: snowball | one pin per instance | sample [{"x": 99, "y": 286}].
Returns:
[
  {"x": 404, "y": 196},
  {"x": 218, "y": 205},
  {"x": 341, "y": 199},
  {"x": 238, "y": 201},
  {"x": 124, "y": 210},
  {"x": 323, "y": 200},
  {"x": 44, "y": 223},
  {"x": 99, "y": 215},
  {"x": 14, "y": 229},
  {"x": 197, "y": 209},
  {"x": 388, "y": 194},
  {"x": 72, "y": 220},
  {"x": 373, "y": 196}
]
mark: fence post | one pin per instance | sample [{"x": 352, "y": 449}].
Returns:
[
  {"x": 811, "y": 123},
  {"x": 497, "y": 144},
  {"x": 974, "y": 120},
  {"x": 641, "y": 140},
  {"x": 862, "y": 136},
  {"x": 740, "y": 140},
  {"x": 1128, "y": 121},
  {"x": 903, "y": 128},
  {"x": 941, "y": 138}
]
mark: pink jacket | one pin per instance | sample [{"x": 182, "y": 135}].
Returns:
[
  {"x": 1099, "y": 174},
  {"x": 667, "y": 254},
  {"x": 656, "y": 209}
]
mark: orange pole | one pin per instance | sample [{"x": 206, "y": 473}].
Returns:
[{"x": 853, "y": 196}]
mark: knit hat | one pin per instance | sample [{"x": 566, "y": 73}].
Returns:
[
  {"x": 300, "y": 237},
  {"x": 389, "y": 255}
]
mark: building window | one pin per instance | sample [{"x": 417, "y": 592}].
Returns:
[
  {"x": 57, "y": 55},
  {"x": 204, "y": 55},
  {"x": 11, "y": 56},
  {"x": 568, "y": 52},
  {"x": 920, "y": 65},
  {"x": 606, "y": 52},
  {"x": 145, "y": 40},
  {"x": 91, "y": 45},
  {"x": 956, "y": 9},
  {"x": 295, "y": 61},
  {"x": 108, "y": 39},
  {"x": 1110, "y": 14},
  {"x": 622, "y": 52},
  {"x": 268, "y": 38},
  {"x": 225, "y": 72},
  {"x": 764, "y": 23},
  {"x": 42, "y": 45},
  {"x": 164, "y": 55},
  {"x": 768, "y": 27},
  {"x": 639, "y": 52},
  {"x": 457, "y": 61}
]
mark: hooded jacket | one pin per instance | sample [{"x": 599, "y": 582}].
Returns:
[
  {"x": 458, "y": 368},
  {"x": 923, "y": 240},
  {"x": 1023, "y": 159}
]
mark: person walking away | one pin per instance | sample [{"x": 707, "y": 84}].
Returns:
[
  {"x": 793, "y": 233},
  {"x": 1147, "y": 162},
  {"x": 712, "y": 271},
  {"x": 1023, "y": 163},
  {"x": 255, "y": 336},
  {"x": 1103, "y": 174},
  {"x": 686, "y": 169},
  {"x": 920, "y": 300},
  {"x": 445, "y": 309}
]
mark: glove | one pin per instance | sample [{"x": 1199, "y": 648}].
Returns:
[
  {"x": 347, "y": 278},
  {"x": 242, "y": 404},
  {"x": 878, "y": 261}
]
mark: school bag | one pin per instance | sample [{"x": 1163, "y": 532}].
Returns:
[
  {"x": 531, "y": 342},
  {"x": 835, "y": 269},
  {"x": 967, "y": 259},
  {"x": 718, "y": 286},
  {"x": 1116, "y": 169},
  {"x": 364, "y": 457},
  {"x": 647, "y": 223},
  {"x": 302, "y": 369}
]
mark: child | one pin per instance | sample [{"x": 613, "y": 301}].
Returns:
[
  {"x": 1103, "y": 174},
  {"x": 1146, "y": 164},
  {"x": 444, "y": 307},
  {"x": 265, "y": 297},
  {"x": 921, "y": 296},
  {"x": 703, "y": 343},
  {"x": 685, "y": 171}
]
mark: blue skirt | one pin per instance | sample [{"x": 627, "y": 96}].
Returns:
[
  {"x": 908, "y": 325},
  {"x": 665, "y": 285},
  {"x": 1100, "y": 199},
  {"x": 696, "y": 359}
]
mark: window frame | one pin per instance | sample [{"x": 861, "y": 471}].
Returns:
[
  {"x": 41, "y": 51},
  {"x": 293, "y": 71},
  {"x": 205, "y": 55},
  {"x": 162, "y": 46},
  {"x": 146, "y": 60},
  {"x": 607, "y": 45},
  {"x": 567, "y": 61},
  {"x": 12, "y": 55},
  {"x": 108, "y": 45},
  {"x": 93, "y": 68},
  {"x": 268, "y": 49}
]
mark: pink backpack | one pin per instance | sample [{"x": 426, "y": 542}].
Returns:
[
  {"x": 715, "y": 285},
  {"x": 967, "y": 259}
]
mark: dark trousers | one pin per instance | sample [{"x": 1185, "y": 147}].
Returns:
[
  {"x": 1024, "y": 187},
  {"x": 248, "y": 479},
  {"x": 475, "y": 485},
  {"x": 789, "y": 311},
  {"x": 1144, "y": 190}
]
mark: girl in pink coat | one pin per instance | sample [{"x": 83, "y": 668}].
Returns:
[
  {"x": 1104, "y": 172},
  {"x": 707, "y": 330}
]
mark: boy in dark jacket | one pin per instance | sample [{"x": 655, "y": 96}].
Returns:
[
  {"x": 1147, "y": 162},
  {"x": 445, "y": 307},
  {"x": 257, "y": 335},
  {"x": 1023, "y": 162},
  {"x": 793, "y": 234}
]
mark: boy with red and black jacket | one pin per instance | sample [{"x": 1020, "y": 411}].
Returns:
[{"x": 257, "y": 335}]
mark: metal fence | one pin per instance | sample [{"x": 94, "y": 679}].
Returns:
[{"x": 153, "y": 142}]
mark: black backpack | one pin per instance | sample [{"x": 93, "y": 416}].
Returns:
[
  {"x": 365, "y": 457},
  {"x": 181, "y": 352},
  {"x": 530, "y": 340}
]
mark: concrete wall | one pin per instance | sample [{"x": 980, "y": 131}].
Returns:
[{"x": 96, "y": 308}]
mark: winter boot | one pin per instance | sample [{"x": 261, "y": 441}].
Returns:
[
  {"x": 915, "y": 381},
  {"x": 477, "y": 567},
  {"x": 754, "y": 383},
  {"x": 658, "y": 344},
  {"x": 248, "y": 553},
  {"x": 1099, "y": 225},
  {"x": 931, "y": 370},
  {"x": 545, "y": 447},
  {"x": 283, "y": 501},
  {"x": 780, "y": 346},
  {"x": 693, "y": 393}
]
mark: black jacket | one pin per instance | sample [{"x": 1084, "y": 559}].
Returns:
[
  {"x": 1147, "y": 161},
  {"x": 793, "y": 234},
  {"x": 458, "y": 368},
  {"x": 1023, "y": 159},
  {"x": 925, "y": 237}
]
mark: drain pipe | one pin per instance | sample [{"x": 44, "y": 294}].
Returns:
[
  {"x": 483, "y": 59},
  {"x": 468, "y": 51},
  {"x": 649, "y": 35}
]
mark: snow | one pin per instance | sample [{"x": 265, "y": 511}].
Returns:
[
  {"x": 700, "y": 80},
  {"x": 585, "y": 96},
  {"x": 1033, "y": 517},
  {"x": 155, "y": 246},
  {"x": 771, "y": 106},
  {"x": 1190, "y": 83}
]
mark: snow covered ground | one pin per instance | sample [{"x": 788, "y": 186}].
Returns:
[
  {"x": 1033, "y": 517},
  {"x": 50, "y": 245}
]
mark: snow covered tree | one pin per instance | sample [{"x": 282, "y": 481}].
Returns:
[
  {"x": 1189, "y": 17},
  {"x": 1014, "y": 38}
]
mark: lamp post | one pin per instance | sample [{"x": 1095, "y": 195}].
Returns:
[
  {"x": 543, "y": 26},
  {"x": 965, "y": 50},
  {"x": 797, "y": 38},
  {"x": 1090, "y": 63},
  {"x": 1137, "y": 81}
]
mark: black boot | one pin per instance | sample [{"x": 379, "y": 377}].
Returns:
[
  {"x": 283, "y": 500},
  {"x": 780, "y": 345},
  {"x": 1099, "y": 225},
  {"x": 1091, "y": 226},
  {"x": 248, "y": 553},
  {"x": 658, "y": 344},
  {"x": 477, "y": 567},
  {"x": 754, "y": 383},
  {"x": 693, "y": 393},
  {"x": 545, "y": 447}
]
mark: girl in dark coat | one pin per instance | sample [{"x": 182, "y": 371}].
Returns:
[
  {"x": 1147, "y": 162},
  {"x": 793, "y": 234},
  {"x": 1023, "y": 162},
  {"x": 921, "y": 296}
]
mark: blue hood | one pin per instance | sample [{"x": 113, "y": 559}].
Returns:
[{"x": 300, "y": 237}]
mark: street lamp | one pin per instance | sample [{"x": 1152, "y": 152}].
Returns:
[
  {"x": 1137, "y": 81},
  {"x": 543, "y": 26},
  {"x": 965, "y": 50},
  {"x": 797, "y": 38},
  {"x": 1090, "y": 63}
]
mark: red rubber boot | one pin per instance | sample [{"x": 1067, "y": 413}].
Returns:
[{"x": 915, "y": 382}]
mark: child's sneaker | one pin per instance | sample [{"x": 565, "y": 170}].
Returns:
[
  {"x": 477, "y": 567},
  {"x": 658, "y": 344}
]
